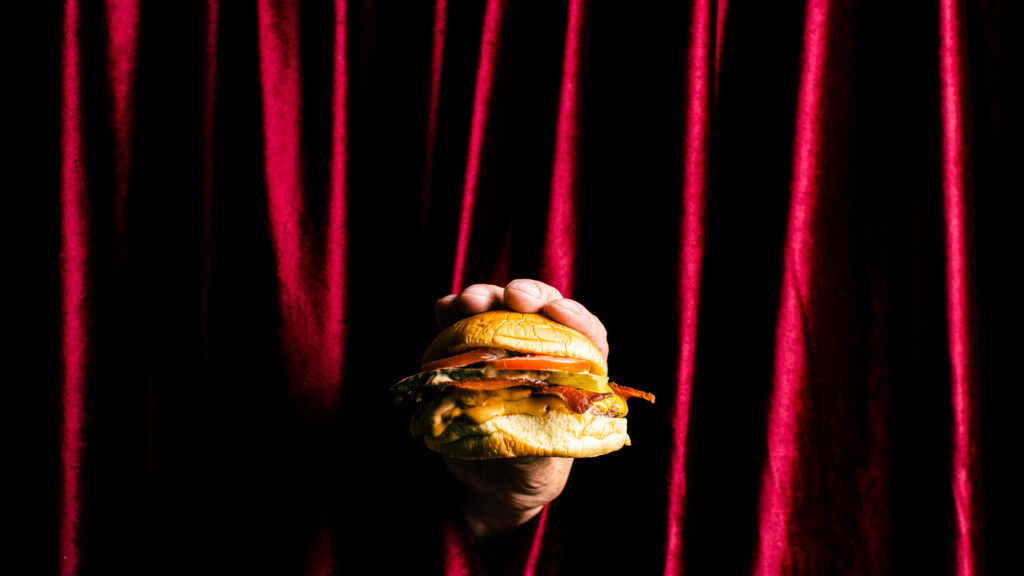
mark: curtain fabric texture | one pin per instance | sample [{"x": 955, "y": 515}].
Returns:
[{"x": 793, "y": 217}]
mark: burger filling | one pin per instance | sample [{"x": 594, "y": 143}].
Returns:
[{"x": 481, "y": 384}]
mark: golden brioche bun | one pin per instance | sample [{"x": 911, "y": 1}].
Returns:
[
  {"x": 553, "y": 433},
  {"x": 525, "y": 333},
  {"x": 518, "y": 435}
]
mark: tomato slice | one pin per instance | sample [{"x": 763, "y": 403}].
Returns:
[
  {"x": 491, "y": 384},
  {"x": 465, "y": 359},
  {"x": 540, "y": 363}
]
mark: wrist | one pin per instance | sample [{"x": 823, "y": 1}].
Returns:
[
  {"x": 500, "y": 495},
  {"x": 487, "y": 514}
]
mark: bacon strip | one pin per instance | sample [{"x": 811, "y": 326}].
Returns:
[
  {"x": 627, "y": 392},
  {"x": 579, "y": 401}
]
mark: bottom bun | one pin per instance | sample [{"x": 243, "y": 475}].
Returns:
[{"x": 517, "y": 435}]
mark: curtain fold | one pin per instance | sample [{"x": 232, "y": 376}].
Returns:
[
  {"x": 793, "y": 219},
  {"x": 482, "y": 96},
  {"x": 559, "y": 252},
  {"x": 74, "y": 302},
  {"x": 961, "y": 307},
  {"x": 807, "y": 522},
  {"x": 703, "y": 56}
]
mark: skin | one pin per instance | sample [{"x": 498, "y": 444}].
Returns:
[{"x": 500, "y": 495}]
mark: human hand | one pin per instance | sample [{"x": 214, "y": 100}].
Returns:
[
  {"x": 523, "y": 296},
  {"x": 502, "y": 494}
]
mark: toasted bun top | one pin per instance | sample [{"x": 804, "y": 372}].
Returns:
[{"x": 524, "y": 333}]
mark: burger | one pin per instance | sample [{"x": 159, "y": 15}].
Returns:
[{"x": 503, "y": 384}]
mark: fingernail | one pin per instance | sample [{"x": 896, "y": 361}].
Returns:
[
  {"x": 476, "y": 289},
  {"x": 528, "y": 287}
]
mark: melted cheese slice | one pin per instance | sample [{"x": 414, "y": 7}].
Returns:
[{"x": 481, "y": 406}]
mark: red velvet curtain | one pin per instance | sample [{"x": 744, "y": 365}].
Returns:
[{"x": 793, "y": 217}]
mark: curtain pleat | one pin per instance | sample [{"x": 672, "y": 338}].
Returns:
[
  {"x": 490, "y": 44},
  {"x": 806, "y": 524},
  {"x": 122, "y": 26},
  {"x": 559, "y": 252},
  {"x": 310, "y": 254},
  {"x": 436, "y": 67},
  {"x": 961, "y": 308},
  {"x": 74, "y": 291},
  {"x": 701, "y": 82},
  {"x": 212, "y": 18},
  {"x": 793, "y": 219}
]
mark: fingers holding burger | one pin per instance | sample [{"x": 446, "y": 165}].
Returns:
[{"x": 523, "y": 295}]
